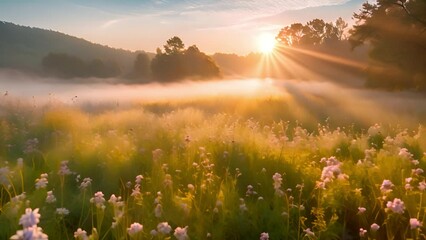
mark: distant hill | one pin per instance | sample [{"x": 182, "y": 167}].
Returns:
[{"x": 24, "y": 48}]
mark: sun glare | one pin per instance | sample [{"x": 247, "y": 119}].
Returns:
[{"x": 266, "y": 43}]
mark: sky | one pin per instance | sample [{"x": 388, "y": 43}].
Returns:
[{"x": 228, "y": 26}]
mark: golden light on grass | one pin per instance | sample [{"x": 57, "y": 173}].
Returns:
[{"x": 266, "y": 43}]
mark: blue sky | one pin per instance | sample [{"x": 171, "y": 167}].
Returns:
[{"x": 213, "y": 25}]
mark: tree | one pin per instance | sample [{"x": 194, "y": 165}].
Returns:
[
  {"x": 174, "y": 45},
  {"x": 177, "y": 63},
  {"x": 396, "y": 31},
  {"x": 142, "y": 66},
  {"x": 68, "y": 66},
  {"x": 315, "y": 32}
]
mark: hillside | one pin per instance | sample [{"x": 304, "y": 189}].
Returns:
[{"x": 24, "y": 47}]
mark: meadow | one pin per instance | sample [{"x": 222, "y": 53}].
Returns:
[{"x": 290, "y": 166}]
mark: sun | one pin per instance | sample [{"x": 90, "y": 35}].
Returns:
[{"x": 266, "y": 42}]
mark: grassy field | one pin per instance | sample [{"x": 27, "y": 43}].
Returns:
[{"x": 223, "y": 168}]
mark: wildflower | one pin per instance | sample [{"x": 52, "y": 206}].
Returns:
[
  {"x": 397, "y": 206},
  {"x": 98, "y": 200},
  {"x": 136, "y": 192},
  {"x": 158, "y": 211},
  {"x": 31, "y": 145},
  {"x": 374, "y": 227},
  {"x": 29, "y": 221},
  {"x": 417, "y": 171},
  {"x": 168, "y": 181},
  {"x": 374, "y": 130},
  {"x": 85, "y": 183},
  {"x": 330, "y": 172},
  {"x": 422, "y": 185},
  {"x": 243, "y": 206},
  {"x": 386, "y": 186},
  {"x": 361, "y": 210},
  {"x": 362, "y": 232},
  {"x": 134, "y": 229},
  {"x": 42, "y": 181},
  {"x": 191, "y": 188},
  {"x": 277, "y": 180},
  {"x": 63, "y": 169},
  {"x": 414, "y": 223},
  {"x": 180, "y": 233},
  {"x": 62, "y": 211},
  {"x": 404, "y": 153},
  {"x": 309, "y": 233},
  {"x": 264, "y": 236},
  {"x": 30, "y": 233},
  {"x": 164, "y": 228},
  {"x": 157, "y": 200},
  {"x": 249, "y": 190},
  {"x": 138, "y": 179},
  {"x": 153, "y": 232},
  {"x": 80, "y": 234},
  {"x": 30, "y": 218},
  {"x": 50, "y": 197}
]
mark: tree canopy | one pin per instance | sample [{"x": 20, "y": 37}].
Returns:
[
  {"x": 69, "y": 66},
  {"x": 177, "y": 63},
  {"x": 314, "y": 32},
  {"x": 396, "y": 31}
]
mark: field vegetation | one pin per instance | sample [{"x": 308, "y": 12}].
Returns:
[{"x": 206, "y": 169}]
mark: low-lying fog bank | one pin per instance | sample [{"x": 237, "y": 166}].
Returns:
[{"x": 314, "y": 101}]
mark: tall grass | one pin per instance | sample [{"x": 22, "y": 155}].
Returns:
[{"x": 199, "y": 171}]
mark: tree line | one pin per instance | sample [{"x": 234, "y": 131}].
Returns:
[
  {"x": 394, "y": 31},
  {"x": 173, "y": 63}
]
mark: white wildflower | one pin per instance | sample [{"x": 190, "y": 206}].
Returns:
[
  {"x": 396, "y": 206},
  {"x": 374, "y": 227},
  {"x": 42, "y": 181},
  {"x": 164, "y": 228},
  {"x": 362, "y": 232},
  {"x": 98, "y": 200},
  {"x": 30, "y": 218},
  {"x": 50, "y": 197},
  {"x": 414, "y": 223},
  {"x": 264, "y": 236},
  {"x": 62, "y": 211},
  {"x": 134, "y": 229},
  {"x": 181, "y": 233},
  {"x": 80, "y": 234},
  {"x": 85, "y": 183}
]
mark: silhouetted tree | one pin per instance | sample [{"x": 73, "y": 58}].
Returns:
[
  {"x": 174, "y": 45},
  {"x": 142, "y": 66},
  {"x": 64, "y": 65},
  {"x": 315, "y": 32},
  {"x": 68, "y": 66},
  {"x": 396, "y": 31},
  {"x": 176, "y": 62}
]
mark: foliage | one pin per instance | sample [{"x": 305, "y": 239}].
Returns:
[
  {"x": 396, "y": 31},
  {"x": 141, "y": 67},
  {"x": 68, "y": 66},
  {"x": 177, "y": 63},
  {"x": 134, "y": 174},
  {"x": 315, "y": 32},
  {"x": 25, "y": 47}
]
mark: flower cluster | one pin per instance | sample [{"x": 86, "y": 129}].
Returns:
[
  {"x": 29, "y": 221},
  {"x": 99, "y": 200},
  {"x": 42, "y": 181}
]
